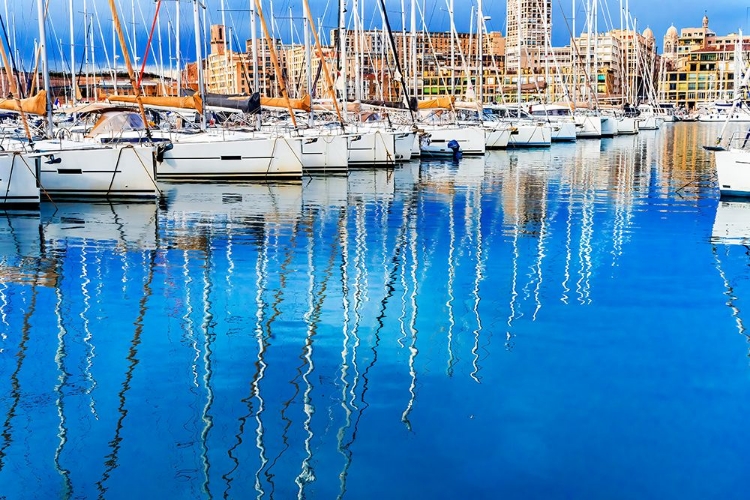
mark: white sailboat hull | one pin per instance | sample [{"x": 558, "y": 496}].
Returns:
[
  {"x": 530, "y": 136},
  {"x": 733, "y": 172},
  {"x": 323, "y": 153},
  {"x": 404, "y": 144},
  {"x": 609, "y": 126},
  {"x": 471, "y": 139},
  {"x": 649, "y": 123},
  {"x": 372, "y": 148},
  {"x": 261, "y": 158},
  {"x": 98, "y": 172},
  {"x": 497, "y": 137},
  {"x": 18, "y": 181},
  {"x": 627, "y": 126},
  {"x": 588, "y": 127},
  {"x": 563, "y": 131}
]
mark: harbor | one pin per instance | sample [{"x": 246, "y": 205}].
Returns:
[
  {"x": 348, "y": 251},
  {"x": 552, "y": 322}
]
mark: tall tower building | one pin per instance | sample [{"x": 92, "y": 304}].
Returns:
[{"x": 535, "y": 29}]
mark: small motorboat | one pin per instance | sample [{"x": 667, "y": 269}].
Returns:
[{"x": 439, "y": 149}]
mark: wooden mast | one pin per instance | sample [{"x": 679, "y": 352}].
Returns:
[
  {"x": 329, "y": 80},
  {"x": 126, "y": 57},
  {"x": 275, "y": 61}
]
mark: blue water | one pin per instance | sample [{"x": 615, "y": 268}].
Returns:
[{"x": 564, "y": 323}]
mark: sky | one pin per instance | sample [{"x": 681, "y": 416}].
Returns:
[{"x": 725, "y": 16}]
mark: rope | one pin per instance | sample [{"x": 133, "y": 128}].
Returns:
[
  {"x": 10, "y": 177},
  {"x": 119, "y": 157},
  {"x": 388, "y": 155},
  {"x": 38, "y": 180}
]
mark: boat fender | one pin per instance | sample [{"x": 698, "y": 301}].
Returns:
[{"x": 161, "y": 149}]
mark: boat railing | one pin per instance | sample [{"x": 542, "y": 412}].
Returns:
[{"x": 740, "y": 140}]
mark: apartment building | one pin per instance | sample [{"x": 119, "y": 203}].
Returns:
[{"x": 701, "y": 68}]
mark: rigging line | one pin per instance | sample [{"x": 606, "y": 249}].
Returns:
[
  {"x": 148, "y": 43},
  {"x": 12, "y": 59}
]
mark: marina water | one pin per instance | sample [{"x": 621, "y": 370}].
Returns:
[{"x": 559, "y": 323}]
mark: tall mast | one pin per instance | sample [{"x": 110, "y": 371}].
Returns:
[
  {"x": 135, "y": 40},
  {"x": 280, "y": 83},
  {"x": 480, "y": 54},
  {"x": 254, "y": 51},
  {"x": 199, "y": 60},
  {"x": 518, "y": 42},
  {"x": 9, "y": 74},
  {"x": 225, "y": 37},
  {"x": 169, "y": 52},
  {"x": 403, "y": 33},
  {"x": 323, "y": 64},
  {"x": 342, "y": 54},
  {"x": 93, "y": 61},
  {"x": 627, "y": 49},
  {"x": 114, "y": 57},
  {"x": 72, "y": 53},
  {"x": 45, "y": 68},
  {"x": 177, "y": 47},
  {"x": 308, "y": 65},
  {"x": 574, "y": 56},
  {"x": 596, "y": 51},
  {"x": 547, "y": 86},
  {"x": 254, "y": 46},
  {"x": 86, "y": 51},
  {"x": 357, "y": 50},
  {"x": 413, "y": 30},
  {"x": 453, "y": 50}
]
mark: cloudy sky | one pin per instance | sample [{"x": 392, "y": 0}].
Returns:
[{"x": 726, "y": 16}]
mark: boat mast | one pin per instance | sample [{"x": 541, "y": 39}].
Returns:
[
  {"x": 308, "y": 64},
  {"x": 279, "y": 77},
  {"x": 114, "y": 58},
  {"x": 574, "y": 56},
  {"x": 453, "y": 51},
  {"x": 480, "y": 56},
  {"x": 254, "y": 49},
  {"x": 324, "y": 65},
  {"x": 342, "y": 55},
  {"x": 177, "y": 47},
  {"x": 45, "y": 68},
  {"x": 357, "y": 50},
  {"x": 518, "y": 43},
  {"x": 72, "y": 54},
  {"x": 128, "y": 65},
  {"x": 254, "y": 46},
  {"x": 413, "y": 29},
  {"x": 12, "y": 85},
  {"x": 199, "y": 61},
  {"x": 93, "y": 61}
]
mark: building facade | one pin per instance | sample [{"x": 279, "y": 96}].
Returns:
[{"x": 701, "y": 68}]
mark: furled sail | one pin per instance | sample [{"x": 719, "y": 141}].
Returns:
[
  {"x": 279, "y": 102},
  {"x": 351, "y": 107},
  {"x": 36, "y": 105},
  {"x": 246, "y": 103},
  {"x": 190, "y": 102},
  {"x": 437, "y": 103}
]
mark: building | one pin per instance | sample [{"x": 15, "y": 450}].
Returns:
[
  {"x": 701, "y": 68},
  {"x": 535, "y": 29}
]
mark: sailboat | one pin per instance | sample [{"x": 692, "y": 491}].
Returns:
[
  {"x": 90, "y": 168},
  {"x": 733, "y": 161},
  {"x": 19, "y": 186}
]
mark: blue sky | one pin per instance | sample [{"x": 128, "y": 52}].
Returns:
[{"x": 725, "y": 17}]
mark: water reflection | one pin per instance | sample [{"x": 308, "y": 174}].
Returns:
[
  {"x": 280, "y": 340},
  {"x": 731, "y": 232}
]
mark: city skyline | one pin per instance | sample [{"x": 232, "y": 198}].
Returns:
[{"x": 723, "y": 19}]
